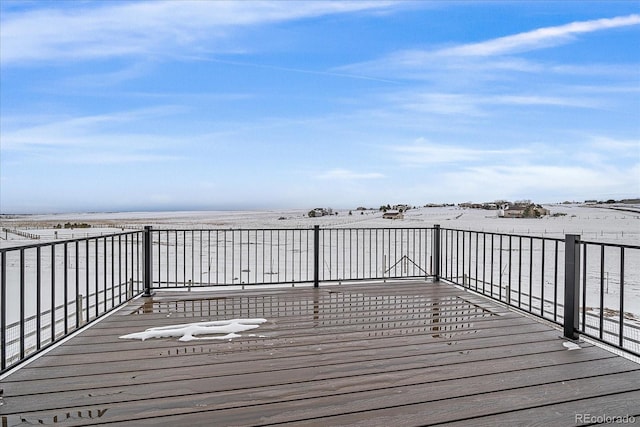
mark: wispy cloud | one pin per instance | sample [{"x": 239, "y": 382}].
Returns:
[
  {"x": 476, "y": 104},
  {"x": 483, "y": 59},
  {"x": 20, "y": 134},
  {"x": 114, "y": 138},
  {"x": 423, "y": 152},
  {"x": 117, "y": 29},
  {"x": 557, "y": 101},
  {"x": 301, "y": 70},
  {"x": 438, "y": 103},
  {"x": 605, "y": 143},
  {"x": 539, "y": 38},
  {"x": 512, "y": 181},
  {"x": 347, "y": 175}
]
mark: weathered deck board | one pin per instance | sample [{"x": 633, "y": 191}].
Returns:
[
  {"x": 404, "y": 353},
  {"x": 183, "y": 366}
]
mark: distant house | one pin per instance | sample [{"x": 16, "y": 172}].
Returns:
[
  {"x": 393, "y": 215},
  {"x": 523, "y": 211},
  {"x": 320, "y": 212},
  {"x": 512, "y": 213}
]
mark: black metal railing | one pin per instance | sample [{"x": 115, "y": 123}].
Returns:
[
  {"x": 522, "y": 271},
  {"x": 50, "y": 290},
  {"x": 192, "y": 258},
  {"x": 543, "y": 276},
  {"x": 610, "y": 273},
  {"x": 375, "y": 253}
]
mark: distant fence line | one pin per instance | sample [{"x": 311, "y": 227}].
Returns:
[
  {"x": 20, "y": 233},
  {"x": 50, "y": 225},
  {"x": 49, "y": 290}
]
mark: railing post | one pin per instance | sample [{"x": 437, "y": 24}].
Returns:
[
  {"x": 571, "y": 286},
  {"x": 436, "y": 252},
  {"x": 148, "y": 271},
  {"x": 316, "y": 256}
]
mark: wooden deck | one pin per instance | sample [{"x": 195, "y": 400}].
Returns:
[{"x": 393, "y": 354}]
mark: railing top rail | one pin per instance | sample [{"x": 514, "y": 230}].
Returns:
[
  {"x": 495, "y": 233},
  {"x": 67, "y": 241},
  {"x": 278, "y": 229},
  {"x": 286, "y": 229},
  {"x": 377, "y": 228},
  {"x": 616, "y": 245},
  {"x": 158, "y": 229}
]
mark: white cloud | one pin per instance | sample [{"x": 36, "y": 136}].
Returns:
[
  {"x": 344, "y": 174},
  {"x": 539, "y": 38},
  {"x": 117, "y": 158},
  {"x": 439, "y": 103},
  {"x": 514, "y": 180},
  {"x": 23, "y": 134},
  {"x": 428, "y": 153},
  {"x": 543, "y": 100},
  {"x": 605, "y": 143},
  {"x": 115, "y": 29},
  {"x": 112, "y": 138},
  {"x": 476, "y": 104},
  {"x": 486, "y": 60}
]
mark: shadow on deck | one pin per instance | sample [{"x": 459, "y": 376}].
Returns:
[{"x": 392, "y": 354}]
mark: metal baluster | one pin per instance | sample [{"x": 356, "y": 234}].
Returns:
[
  {"x": 542, "y": 280},
  {"x": 621, "y": 318},
  {"x": 38, "y": 297},
  {"x": 3, "y": 310},
  {"x": 22, "y": 308},
  {"x": 53, "y": 292}
]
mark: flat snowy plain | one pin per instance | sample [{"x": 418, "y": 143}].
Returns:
[{"x": 592, "y": 223}]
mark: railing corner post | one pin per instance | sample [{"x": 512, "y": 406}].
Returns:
[
  {"x": 148, "y": 271},
  {"x": 316, "y": 256},
  {"x": 436, "y": 252},
  {"x": 572, "y": 286}
]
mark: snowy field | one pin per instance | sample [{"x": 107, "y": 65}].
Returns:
[{"x": 593, "y": 224}]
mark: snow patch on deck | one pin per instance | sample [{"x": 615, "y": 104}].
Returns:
[
  {"x": 571, "y": 346},
  {"x": 214, "y": 330}
]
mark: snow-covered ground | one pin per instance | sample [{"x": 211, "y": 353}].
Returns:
[{"x": 592, "y": 223}]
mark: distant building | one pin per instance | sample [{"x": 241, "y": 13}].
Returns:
[
  {"x": 522, "y": 210},
  {"x": 393, "y": 215},
  {"x": 320, "y": 212}
]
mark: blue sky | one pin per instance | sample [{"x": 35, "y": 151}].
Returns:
[{"x": 179, "y": 105}]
